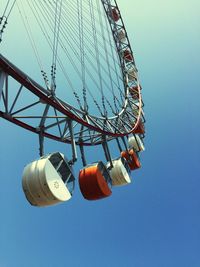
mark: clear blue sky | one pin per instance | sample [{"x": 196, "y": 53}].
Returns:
[{"x": 154, "y": 222}]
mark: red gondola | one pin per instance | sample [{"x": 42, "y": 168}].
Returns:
[
  {"x": 114, "y": 14},
  {"x": 127, "y": 55},
  {"x": 131, "y": 158},
  {"x": 140, "y": 129}
]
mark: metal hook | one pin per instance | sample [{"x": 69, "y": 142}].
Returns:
[
  {"x": 41, "y": 144},
  {"x": 82, "y": 155},
  {"x": 73, "y": 143},
  {"x": 107, "y": 151}
]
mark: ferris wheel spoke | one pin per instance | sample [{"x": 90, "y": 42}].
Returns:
[
  {"x": 86, "y": 19},
  {"x": 107, "y": 58},
  {"x": 94, "y": 80},
  {"x": 72, "y": 26}
]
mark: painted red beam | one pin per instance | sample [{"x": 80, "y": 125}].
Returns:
[{"x": 42, "y": 94}]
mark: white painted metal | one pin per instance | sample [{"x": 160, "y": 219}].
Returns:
[
  {"x": 136, "y": 143},
  {"x": 120, "y": 173},
  {"x": 2, "y": 79},
  {"x": 42, "y": 184}
]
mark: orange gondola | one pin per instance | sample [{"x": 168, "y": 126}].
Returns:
[
  {"x": 131, "y": 158},
  {"x": 94, "y": 181}
]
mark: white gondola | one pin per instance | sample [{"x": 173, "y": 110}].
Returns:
[
  {"x": 120, "y": 173},
  {"x": 132, "y": 74},
  {"x": 121, "y": 35},
  {"x": 48, "y": 180},
  {"x": 136, "y": 143}
]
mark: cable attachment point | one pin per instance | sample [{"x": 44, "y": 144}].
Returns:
[
  {"x": 107, "y": 151},
  {"x": 73, "y": 143},
  {"x": 3, "y": 27}
]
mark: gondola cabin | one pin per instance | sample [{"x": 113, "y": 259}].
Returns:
[
  {"x": 136, "y": 143},
  {"x": 95, "y": 181},
  {"x": 48, "y": 180},
  {"x": 132, "y": 74},
  {"x": 121, "y": 36},
  {"x": 131, "y": 158},
  {"x": 120, "y": 172},
  {"x": 114, "y": 14},
  {"x": 128, "y": 57},
  {"x": 134, "y": 92},
  {"x": 140, "y": 129}
]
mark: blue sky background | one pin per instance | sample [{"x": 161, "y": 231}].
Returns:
[{"x": 154, "y": 222}]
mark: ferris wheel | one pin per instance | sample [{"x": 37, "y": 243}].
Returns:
[{"x": 68, "y": 73}]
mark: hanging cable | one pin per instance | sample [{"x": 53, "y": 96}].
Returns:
[
  {"x": 57, "y": 19},
  {"x": 97, "y": 55},
  {"x": 27, "y": 27},
  {"x": 67, "y": 14},
  {"x": 84, "y": 42},
  {"x": 82, "y": 51},
  {"x": 36, "y": 8},
  {"x": 107, "y": 58}
]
